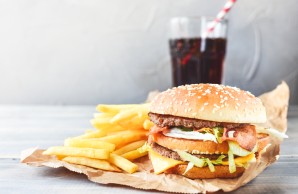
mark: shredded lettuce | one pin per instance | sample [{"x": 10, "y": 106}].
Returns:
[
  {"x": 210, "y": 165},
  {"x": 232, "y": 165},
  {"x": 237, "y": 150},
  {"x": 185, "y": 129},
  {"x": 206, "y": 130},
  {"x": 189, "y": 166},
  {"x": 199, "y": 162},
  {"x": 219, "y": 160},
  {"x": 218, "y": 132},
  {"x": 190, "y": 158}
]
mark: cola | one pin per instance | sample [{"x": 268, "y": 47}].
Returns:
[{"x": 197, "y": 60}]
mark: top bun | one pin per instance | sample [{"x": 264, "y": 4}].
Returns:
[{"x": 210, "y": 102}]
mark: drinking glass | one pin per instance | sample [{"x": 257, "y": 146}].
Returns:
[{"x": 197, "y": 56}]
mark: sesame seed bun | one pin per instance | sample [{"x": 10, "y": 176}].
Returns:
[{"x": 211, "y": 102}]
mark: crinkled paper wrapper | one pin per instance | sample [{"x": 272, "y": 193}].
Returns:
[{"x": 276, "y": 103}]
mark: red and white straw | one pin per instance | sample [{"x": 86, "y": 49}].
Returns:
[{"x": 221, "y": 15}]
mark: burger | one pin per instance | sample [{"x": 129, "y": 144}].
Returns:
[{"x": 204, "y": 131}]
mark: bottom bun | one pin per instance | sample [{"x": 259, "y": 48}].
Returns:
[{"x": 204, "y": 173}]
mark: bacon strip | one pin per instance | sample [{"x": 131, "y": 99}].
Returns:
[
  {"x": 157, "y": 129},
  {"x": 245, "y": 136}
]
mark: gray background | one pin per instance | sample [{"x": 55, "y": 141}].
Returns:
[{"x": 98, "y": 51}]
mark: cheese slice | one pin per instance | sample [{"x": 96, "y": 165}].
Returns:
[
  {"x": 241, "y": 160},
  {"x": 161, "y": 163}
]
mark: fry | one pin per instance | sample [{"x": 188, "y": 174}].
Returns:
[
  {"x": 123, "y": 163},
  {"x": 102, "y": 122},
  {"x": 133, "y": 124},
  {"x": 134, "y": 154},
  {"x": 106, "y": 126},
  {"x": 113, "y": 109},
  {"x": 147, "y": 124},
  {"x": 100, "y": 125},
  {"x": 123, "y": 115},
  {"x": 130, "y": 147},
  {"x": 94, "y": 163},
  {"x": 60, "y": 157},
  {"x": 122, "y": 138},
  {"x": 89, "y": 143},
  {"x": 93, "y": 134},
  {"x": 81, "y": 152},
  {"x": 120, "y": 127}
]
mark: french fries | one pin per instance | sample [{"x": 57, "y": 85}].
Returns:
[
  {"x": 130, "y": 147},
  {"x": 123, "y": 163},
  {"x": 118, "y": 138},
  {"x": 114, "y": 109},
  {"x": 99, "y": 164},
  {"x": 122, "y": 138},
  {"x": 89, "y": 143},
  {"x": 82, "y": 152},
  {"x": 93, "y": 134},
  {"x": 147, "y": 124},
  {"x": 132, "y": 155}
]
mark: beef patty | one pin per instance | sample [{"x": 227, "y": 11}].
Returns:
[
  {"x": 174, "y": 155},
  {"x": 174, "y": 121}
]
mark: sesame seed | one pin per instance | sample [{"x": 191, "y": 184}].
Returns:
[{"x": 208, "y": 91}]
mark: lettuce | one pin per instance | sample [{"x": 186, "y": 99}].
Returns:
[
  {"x": 199, "y": 162},
  {"x": 232, "y": 165},
  {"x": 237, "y": 150},
  {"x": 219, "y": 160},
  {"x": 206, "y": 130},
  {"x": 210, "y": 165},
  {"x": 218, "y": 132},
  {"x": 185, "y": 129},
  {"x": 189, "y": 166},
  {"x": 190, "y": 158}
]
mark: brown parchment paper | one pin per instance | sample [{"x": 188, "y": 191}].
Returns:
[{"x": 276, "y": 103}]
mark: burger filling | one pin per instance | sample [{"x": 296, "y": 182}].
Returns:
[{"x": 241, "y": 139}]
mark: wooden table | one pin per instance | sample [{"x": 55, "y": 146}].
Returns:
[{"x": 23, "y": 127}]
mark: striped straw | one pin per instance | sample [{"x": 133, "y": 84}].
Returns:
[{"x": 221, "y": 15}]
